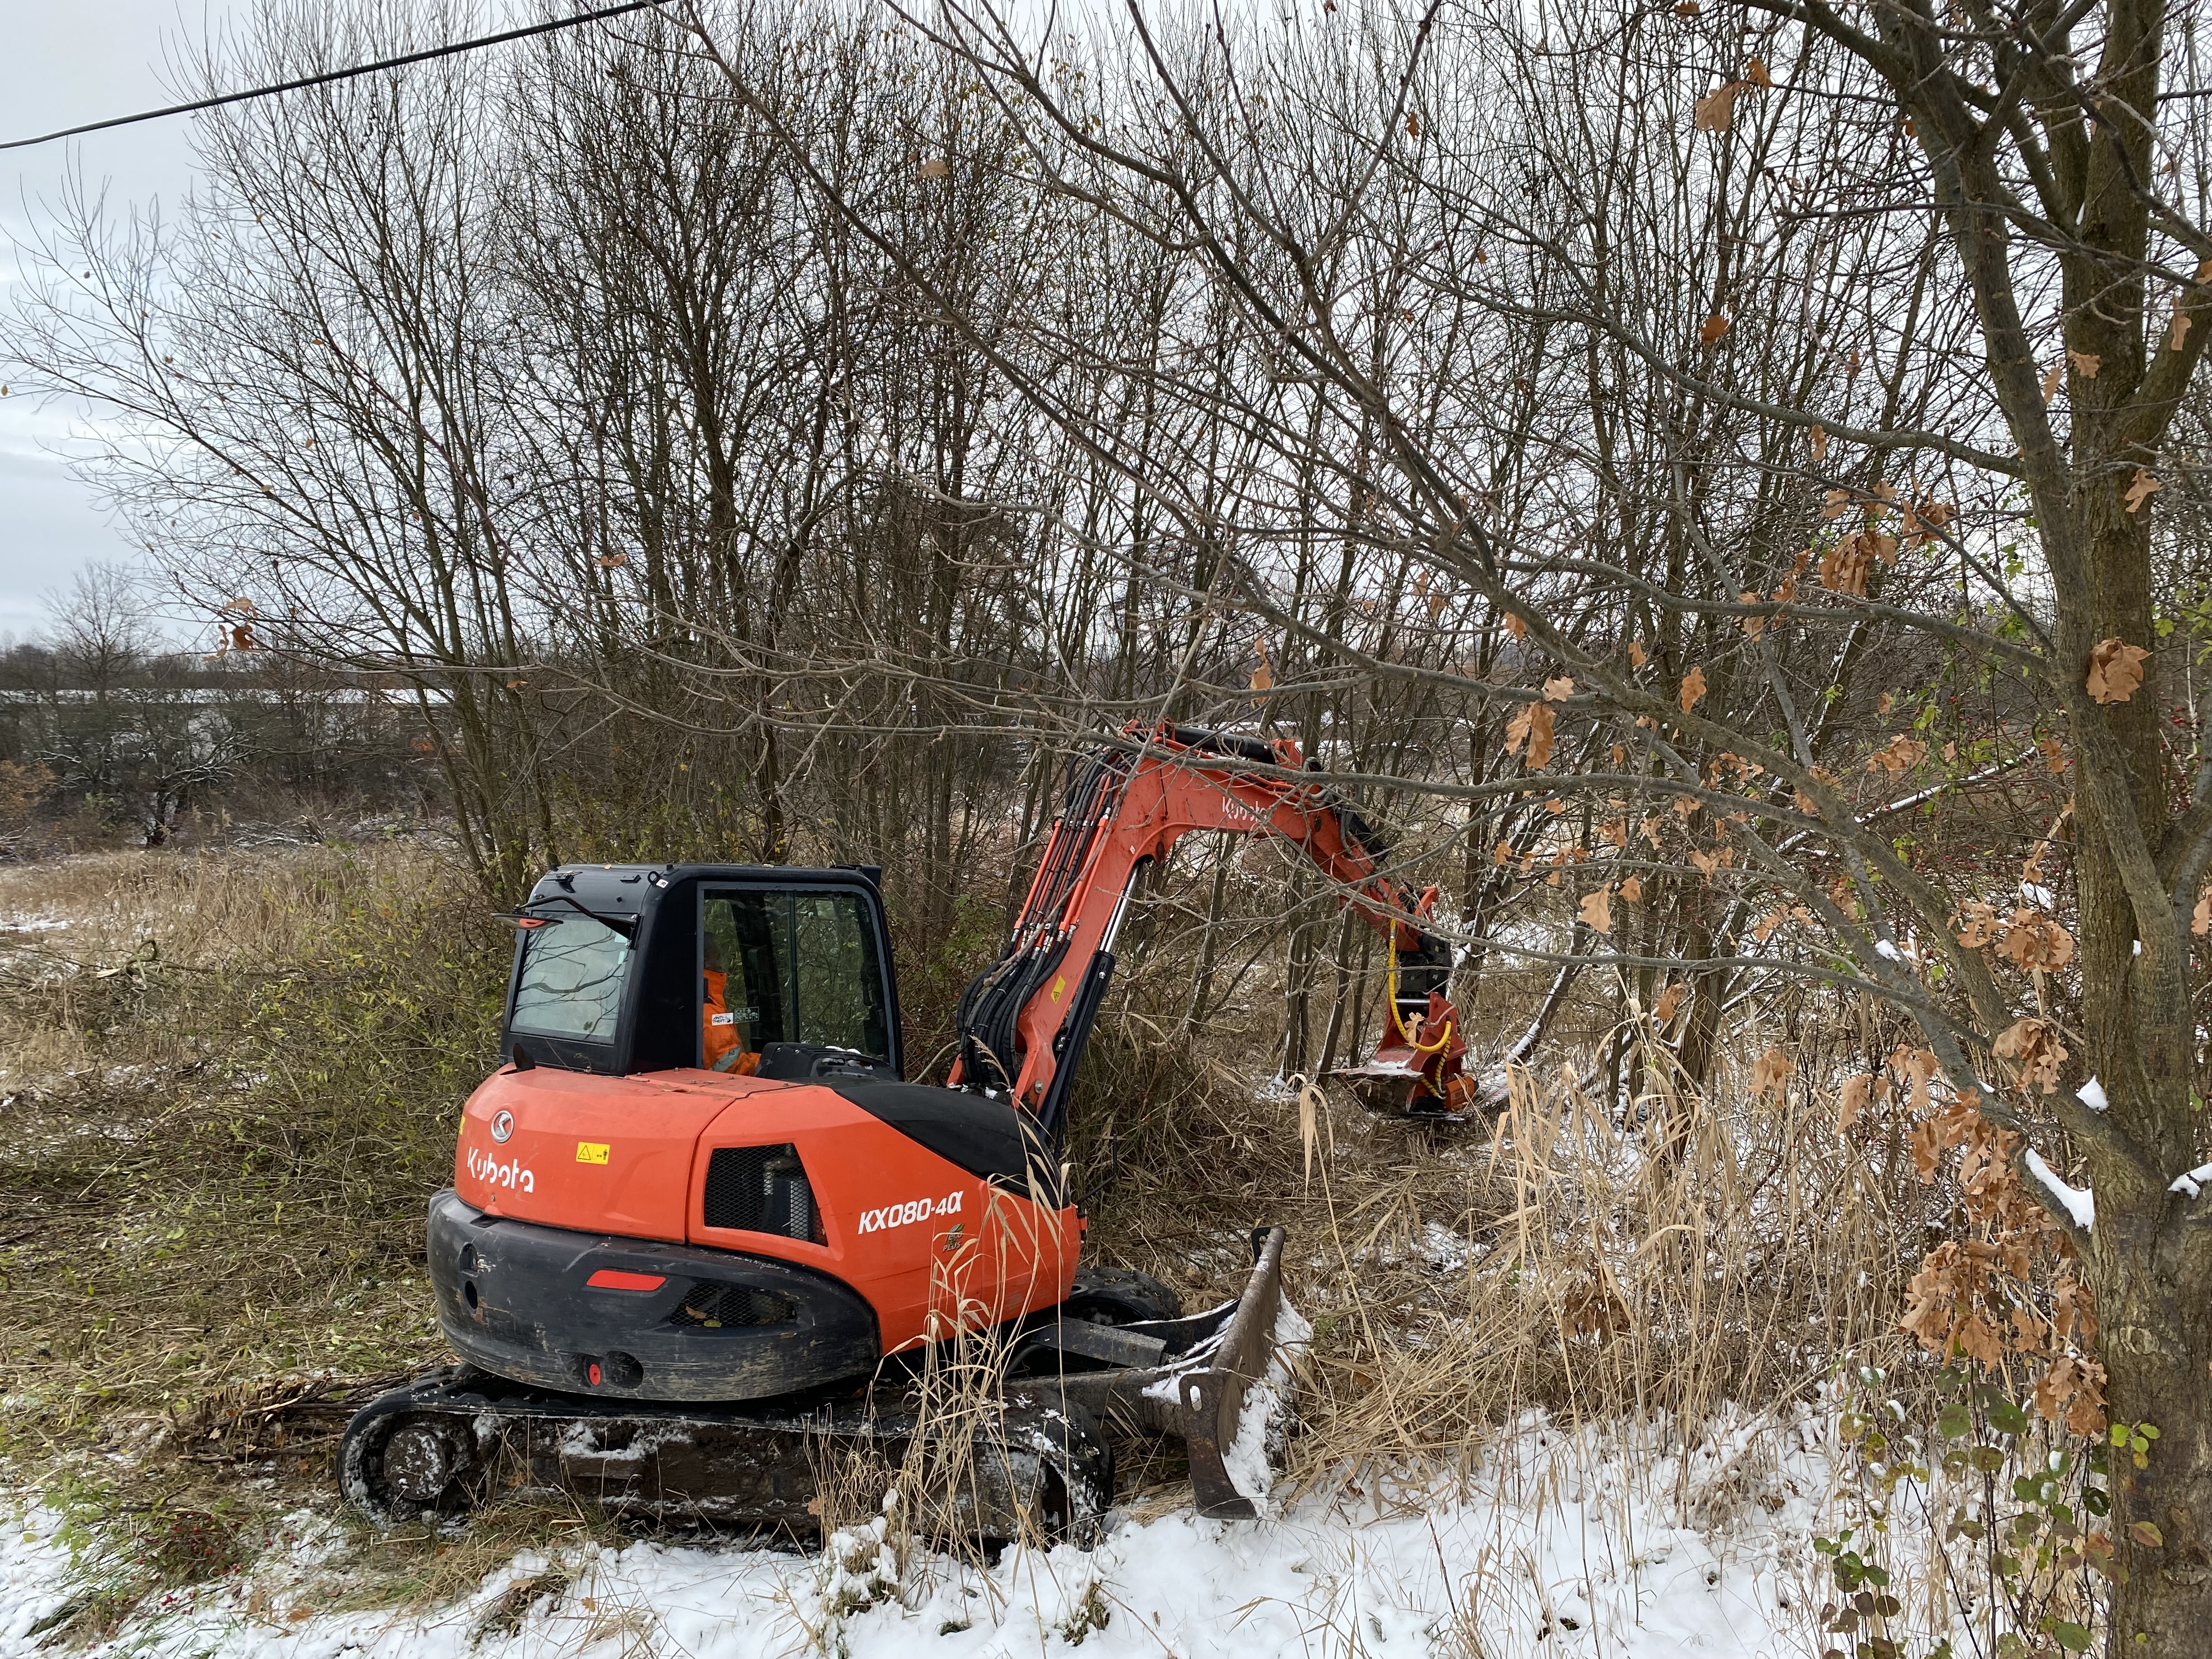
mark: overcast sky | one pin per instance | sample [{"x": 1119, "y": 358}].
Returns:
[{"x": 72, "y": 61}]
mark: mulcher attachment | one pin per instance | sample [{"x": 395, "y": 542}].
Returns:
[{"x": 454, "y": 1437}]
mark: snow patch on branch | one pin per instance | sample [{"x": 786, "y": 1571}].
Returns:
[
  {"x": 2080, "y": 1202},
  {"x": 2091, "y": 1095},
  {"x": 2192, "y": 1184}
]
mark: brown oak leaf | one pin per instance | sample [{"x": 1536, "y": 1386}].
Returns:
[
  {"x": 2116, "y": 670},
  {"x": 1596, "y": 911},
  {"x": 1715, "y": 111},
  {"x": 1856, "y": 1092},
  {"x": 1693, "y": 688},
  {"x": 1978, "y": 925},
  {"x": 2036, "y": 943},
  {"x": 1845, "y": 567},
  {"x": 1532, "y": 727},
  {"x": 1905, "y": 752},
  {"x": 2034, "y": 1047},
  {"x": 1770, "y": 1074}
]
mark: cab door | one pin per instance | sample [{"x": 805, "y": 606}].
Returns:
[{"x": 800, "y": 964}]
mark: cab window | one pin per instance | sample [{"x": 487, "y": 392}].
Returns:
[
  {"x": 788, "y": 966},
  {"x": 571, "y": 983}
]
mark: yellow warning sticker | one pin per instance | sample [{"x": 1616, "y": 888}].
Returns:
[
  {"x": 591, "y": 1151},
  {"x": 1059, "y": 984}
]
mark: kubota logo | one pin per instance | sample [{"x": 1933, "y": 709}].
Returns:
[
  {"x": 914, "y": 1210},
  {"x": 495, "y": 1172},
  {"x": 503, "y": 1126}
]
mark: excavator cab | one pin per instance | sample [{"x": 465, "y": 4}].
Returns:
[{"x": 750, "y": 969}]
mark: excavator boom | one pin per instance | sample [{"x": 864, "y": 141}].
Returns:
[{"x": 1024, "y": 1021}]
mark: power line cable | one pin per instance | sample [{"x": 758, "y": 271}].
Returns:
[{"x": 450, "y": 49}]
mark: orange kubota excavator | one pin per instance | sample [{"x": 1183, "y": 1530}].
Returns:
[{"x": 701, "y": 1226}]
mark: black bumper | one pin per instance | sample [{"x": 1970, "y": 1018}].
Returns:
[{"x": 722, "y": 1326}]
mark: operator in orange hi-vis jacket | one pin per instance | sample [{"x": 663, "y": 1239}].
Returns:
[{"x": 725, "y": 1042}]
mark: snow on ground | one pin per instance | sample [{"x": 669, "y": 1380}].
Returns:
[{"x": 1611, "y": 1545}]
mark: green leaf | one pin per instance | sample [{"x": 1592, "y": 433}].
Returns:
[
  {"x": 2069, "y": 1636},
  {"x": 2146, "y": 1534},
  {"x": 1954, "y": 1422}
]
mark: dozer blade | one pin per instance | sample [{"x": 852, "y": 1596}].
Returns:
[
  {"x": 1213, "y": 1399},
  {"x": 1197, "y": 1389}
]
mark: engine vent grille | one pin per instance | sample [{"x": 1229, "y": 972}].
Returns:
[
  {"x": 761, "y": 1190},
  {"x": 710, "y": 1306}
]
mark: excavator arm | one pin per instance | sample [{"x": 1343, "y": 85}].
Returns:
[{"x": 1024, "y": 1021}]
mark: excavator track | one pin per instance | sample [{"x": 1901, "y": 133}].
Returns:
[{"x": 451, "y": 1440}]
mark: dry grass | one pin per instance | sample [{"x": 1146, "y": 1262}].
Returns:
[
  {"x": 1591, "y": 1260},
  {"x": 229, "y": 909},
  {"x": 230, "y": 1082},
  {"x": 1593, "y": 1282}
]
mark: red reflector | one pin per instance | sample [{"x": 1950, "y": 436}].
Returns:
[
  {"x": 530, "y": 922},
  {"x": 591, "y": 1373},
  {"x": 607, "y": 1279}
]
